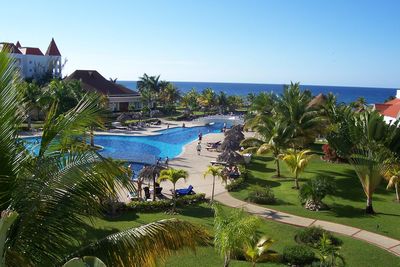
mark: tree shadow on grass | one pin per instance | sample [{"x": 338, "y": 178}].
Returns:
[
  {"x": 123, "y": 216},
  {"x": 197, "y": 212},
  {"x": 346, "y": 211},
  {"x": 260, "y": 167}
]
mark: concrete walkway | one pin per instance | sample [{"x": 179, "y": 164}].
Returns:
[{"x": 196, "y": 165}]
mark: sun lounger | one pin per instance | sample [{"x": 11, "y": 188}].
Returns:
[{"x": 185, "y": 191}]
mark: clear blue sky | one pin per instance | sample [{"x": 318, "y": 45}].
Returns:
[{"x": 314, "y": 42}]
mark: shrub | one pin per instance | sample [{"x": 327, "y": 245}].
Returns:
[
  {"x": 235, "y": 184},
  {"x": 261, "y": 195},
  {"x": 298, "y": 255},
  {"x": 313, "y": 191},
  {"x": 311, "y": 236},
  {"x": 145, "y": 206},
  {"x": 330, "y": 154}
]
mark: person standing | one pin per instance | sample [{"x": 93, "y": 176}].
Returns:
[
  {"x": 198, "y": 148},
  {"x": 200, "y": 137},
  {"x": 166, "y": 161}
]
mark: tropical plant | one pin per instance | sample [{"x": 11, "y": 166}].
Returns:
[
  {"x": 233, "y": 230},
  {"x": 33, "y": 96},
  {"x": 149, "y": 88},
  {"x": 392, "y": 176},
  {"x": 307, "y": 121},
  {"x": 169, "y": 95},
  {"x": 314, "y": 191},
  {"x": 190, "y": 100},
  {"x": 261, "y": 195},
  {"x": 173, "y": 175},
  {"x": 311, "y": 236},
  {"x": 260, "y": 251},
  {"x": 298, "y": 255},
  {"x": 274, "y": 136},
  {"x": 297, "y": 161},
  {"x": 46, "y": 198},
  {"x": 214, "y": 171},
  {"x": 234, "y": 102},
  {"x": 207, "y": 99},
  {"x": 329, "y": 253},
  {"x": 222, "y": 101}
]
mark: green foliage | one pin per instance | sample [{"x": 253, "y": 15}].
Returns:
[
  {"x": 162, "y": 205},
  {"x": 316, "y": 189},
  {"x": 261, "y": 195},
  {"x": 232, "y": 230},
  {"x": 329, "y": 252},
  {"x": 298, "y": 255},
  {"x": 311, "y": 236},
  {"x": 235, "y": 184}
]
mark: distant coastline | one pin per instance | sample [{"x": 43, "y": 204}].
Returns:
[{"x": 344, "y": 94}]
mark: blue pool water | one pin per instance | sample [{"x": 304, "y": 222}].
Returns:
[{"x": 145, "y": 149}]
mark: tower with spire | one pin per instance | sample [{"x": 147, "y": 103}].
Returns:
[{"x": 32, "y": 62}]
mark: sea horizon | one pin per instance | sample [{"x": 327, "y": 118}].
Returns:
[{"x": 344, "y": 94}]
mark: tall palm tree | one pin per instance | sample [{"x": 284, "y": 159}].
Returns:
[
  {"x": 208, "y": 99},
  {"x": 149, "y": 87},
  {"x": 232, "y": 231},
  {"x": 32, "y": 94},
  {"x": 297, "y": 161},
  {"x": 190, "y": 100},
  {"x": 169, "y": 95},
  {"x": 46, "y": 198},
  {"x": 273, "y": 136},
  {"x": 214, "y": 171},
  {"x": 307, "y": 121},
  {"x": 173, "y": 175},
  {"x": 222, "y": 101}
]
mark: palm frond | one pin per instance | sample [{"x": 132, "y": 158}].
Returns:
[{"x": 147, "y": 245}]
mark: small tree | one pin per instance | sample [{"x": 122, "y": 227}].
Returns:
[
  {"x": 297, "y": 161},
  {"x": 214, "y": 171},
  {"x": 392, "y": 176},
  {"x": 233, "y": 230},
  {"x": 173, "y": 175},
  {"x": 260, "y": 251},
  {"x": 313, "y": 191}
]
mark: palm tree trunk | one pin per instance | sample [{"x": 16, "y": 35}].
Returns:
[
  {"x": 154, "y": 188},
  {"x": 174, "y": 200},
  {"x": 296, "y": 182},
  {"x": 396, "y": 187},
  {"x": 226, "y": 260},
  {"x": 29, "y": 120},
  {"x": 278, "y": 169},
  {"x": 369, "y": 209},
  {"x": 213, "y": 187}
]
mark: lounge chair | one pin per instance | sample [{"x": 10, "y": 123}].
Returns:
[
  {"x": 158, "y": 191},
  {"x": 213, "y": 146},
  {"x": 146, "y": 192},
  {"x": 185, "y": 191}
]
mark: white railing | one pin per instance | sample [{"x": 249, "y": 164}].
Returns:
[{"x": 229, "y": 119}]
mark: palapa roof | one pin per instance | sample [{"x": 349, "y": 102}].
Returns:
[
  {"x": 318, "y": 101},
  {"x": 230, "y": 157},
  {"x": 93, "y": 81}
]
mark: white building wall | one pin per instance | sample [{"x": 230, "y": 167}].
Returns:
[{"x": 31, "y": 65}]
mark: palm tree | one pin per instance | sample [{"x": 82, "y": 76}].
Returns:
[
  {"x": 307, "y": 121},
  {"x": 392, "y": 176},
  {"x": 46, "y": 198},
  {"x": 260, "y": 251},
  {"x": 274, "y": 136},
  {"x": 214, "y": 171},
  {"x": 169, "y": 95},
  {"x": 297, "y": 161},
  {"x": 149, "y": 87},
  {"x": 173, "y": 175},
  {"x": 32, "y": 94},
  {"x": 208, "y": 99},
  {"x": 222, "y": 100},
  {"x": 233, "y": 230},
  {"x": 190, "y": 100},
  {"x": 235, "y": 102}
]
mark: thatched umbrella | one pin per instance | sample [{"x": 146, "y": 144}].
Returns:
[
  {"x": 150, "y": 173},
  {"x": 230, "y": 144},
  {"x": 318, "y": 101},
  {"x": 230, "y": 157},
  {"x": 124, "y": 117}
]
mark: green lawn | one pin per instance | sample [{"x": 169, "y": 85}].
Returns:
[
  {"x": 356, "y": 253},
  {"x": 347, "y": 205}
]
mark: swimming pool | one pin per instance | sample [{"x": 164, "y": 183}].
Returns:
[{"x": 145, "y": 149}]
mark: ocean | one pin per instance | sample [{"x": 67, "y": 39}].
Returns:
[{"x": 344, "y": 93}]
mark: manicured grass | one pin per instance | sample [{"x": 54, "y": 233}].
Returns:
[
  {"x": 356, "y": 253},
  {"x": 347, "y": 205}
]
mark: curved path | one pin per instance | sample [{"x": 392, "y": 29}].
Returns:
[{"x": 196, "y": 165}]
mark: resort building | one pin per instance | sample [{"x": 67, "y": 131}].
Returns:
[
  {"x": 120, "y": 98},
  {"x": 32, "y": 62},
  {"x": 390, "y": 109}
]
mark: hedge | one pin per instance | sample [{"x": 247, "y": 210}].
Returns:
[{"x": 165, "y": 203}]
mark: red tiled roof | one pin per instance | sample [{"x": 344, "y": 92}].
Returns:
[
  {"x": 52, "y": 50},
  {"x": 393, "y": 101},
  {"x": 392, "y": 111},
  {"x": 31, "y": 51},
  {"x": 10, "y": 47},
  {"x": 91, "y": 80},
  {"x": 381, "y": 107}
]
